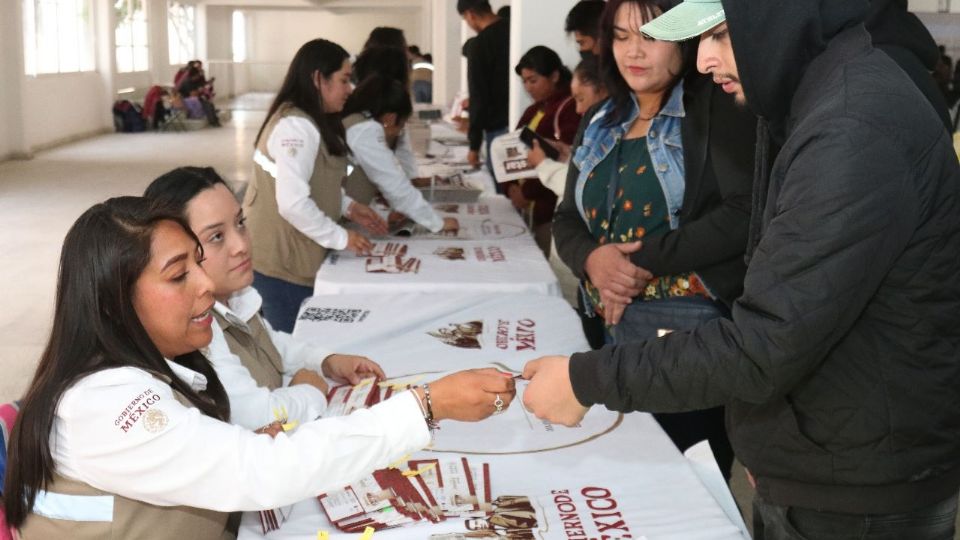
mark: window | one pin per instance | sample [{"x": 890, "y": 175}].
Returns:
[
  {"x": 131, "y": 34},
  {"x": 182, "y": 32},
  {"x": 57, "y": 36},
  {"x": 239, "y": 37}
]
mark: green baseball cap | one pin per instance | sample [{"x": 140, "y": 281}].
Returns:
[{"x": 687, "y": 20}]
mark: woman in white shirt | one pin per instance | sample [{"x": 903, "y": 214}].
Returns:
[
  {"x": 295, "y": 199},
  {"x": 251, "y": 359},
  {"x": 375, "y": 116},
  {"x": 122, "y": 432}
]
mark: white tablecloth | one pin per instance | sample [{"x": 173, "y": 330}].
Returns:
[
  {"x": 627, "y": 482},
  {"x": 490, "y": 218},
  {"x": 511, "y": 265},
  {"x": 413, "y": 333},
  {"x": 613, "y": 474},
  {"x": 448, "y": 155}
]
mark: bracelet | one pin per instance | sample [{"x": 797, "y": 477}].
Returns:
[
  {"x": 431, "y": 422},
  {"x": 423, "y": 408}
]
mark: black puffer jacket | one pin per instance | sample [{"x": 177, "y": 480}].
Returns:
[{"x": 840, "y": 368}]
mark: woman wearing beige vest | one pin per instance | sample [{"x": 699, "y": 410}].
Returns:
[
  {"x": 375, "y": 116},
  {"x": 251, "y": 359},
  {"x": 295, "y": 198},
  {"x": 122, "y": 433}
]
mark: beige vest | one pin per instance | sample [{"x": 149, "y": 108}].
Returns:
[
  {"x": 281, "y": 251},
  {"x": 358, "y": 186},
  {"x": 132, "y": 520},
  {"x": 251, "y": 342}
]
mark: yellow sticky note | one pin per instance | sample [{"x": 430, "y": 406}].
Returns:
[
  {"x": 323, "y": 535},
  {"x": 290, "y": 425},
  {"x": 396, "y": 464},
  {"x": 367, "y": 533},
  {"x": 419, "y": 471}
]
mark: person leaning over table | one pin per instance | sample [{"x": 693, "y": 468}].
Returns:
[
  {"x": 251, "y": 359},
  {"x": 123, "y": 431},
  {"x": 666, "y": 163},
  {"x": 295, "y": 198},
  {"x": 375, "y": 116},
  {"x": 839, "y": 367}
]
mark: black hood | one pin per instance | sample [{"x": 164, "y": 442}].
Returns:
[
  {"x": 890, "y": 24},
  {"x": 774, "y": 42}
]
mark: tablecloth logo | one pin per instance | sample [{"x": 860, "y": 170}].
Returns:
[
  {"x": 510, "y": 517},
  {"x": 601, "y": 509},
  {"x": 463, "y": 335},
  {"x": 337, "y": 315},
  {"x": 524, "y": 336},
  {"x": 491, "y": 253},
  {"x": 451, "y": 253}
]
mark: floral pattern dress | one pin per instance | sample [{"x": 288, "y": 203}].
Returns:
[{"x": 638, "y": 209}]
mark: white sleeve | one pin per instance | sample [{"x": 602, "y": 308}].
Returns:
[
  {"x": 297, "y": 354},
  {"x": 405, "y": 156},
  {"x": 251, "y": 405},
  {"x": 370, "y": 150},
  {"x": 294, "y": 144},
  {"x": 167, "y": 454},
  {"x": 553, "y": 175}
]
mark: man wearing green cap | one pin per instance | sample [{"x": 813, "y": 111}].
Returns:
[{"x": 840, "y": 366}]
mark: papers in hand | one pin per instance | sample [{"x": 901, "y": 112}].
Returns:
[{"x": 508, "y": 154}]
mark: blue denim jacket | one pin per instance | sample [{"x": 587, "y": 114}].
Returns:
[{"x": 663, "y": 142}]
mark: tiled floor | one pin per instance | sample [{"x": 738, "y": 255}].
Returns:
[{"x": 41, "y": 198}]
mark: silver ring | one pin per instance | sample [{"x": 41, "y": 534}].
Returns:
[{"x": 498, "y": 403}]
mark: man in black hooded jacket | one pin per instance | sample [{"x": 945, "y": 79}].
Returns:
[{"x": 840, "y": 367}]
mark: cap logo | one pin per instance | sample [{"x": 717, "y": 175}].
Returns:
[{"x": 711, "y": 18}]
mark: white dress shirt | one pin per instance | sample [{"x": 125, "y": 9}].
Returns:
[
  {"x": 293, "y": 144},
  {"x": 251, "y": 405},
  {"x": 391, "y": 171},
  {"x": 122, "y": 431}
]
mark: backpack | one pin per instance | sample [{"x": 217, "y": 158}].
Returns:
[{"x": 128, "y": 117}]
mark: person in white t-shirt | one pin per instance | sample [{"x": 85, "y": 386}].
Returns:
[
  {"x": 375, "y": 115},
  {"x": 124, "y": 425},
  {"x": 251, "y": 359}
]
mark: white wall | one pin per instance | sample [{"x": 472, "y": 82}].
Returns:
[
  {"x": 531, "y": 25},
  {"x": 219, "y": 33},
  {"x": 11, "y": 72},
  {"x": 932, "y": 6},
  {"x": 59, "y": 108},
  {"x": 276, "y": 35},
  {"x": 945, "y": 29}
]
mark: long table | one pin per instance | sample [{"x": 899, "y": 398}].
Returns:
[
  {"x": 614, "y": 475},
  {"x": 410, "y": 332},
  {"x": 493, "y": 252}
]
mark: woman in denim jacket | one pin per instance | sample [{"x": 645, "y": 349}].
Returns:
[{"x": 657, "y": 205}]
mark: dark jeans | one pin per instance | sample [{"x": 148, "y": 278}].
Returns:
[
  {"x": 934, "y": 522},
  {"x": 281, "y": 300},
  {"x": 640, "y": 322}
]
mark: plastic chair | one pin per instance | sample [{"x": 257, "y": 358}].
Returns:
[{"x": 8, "y": 415}]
